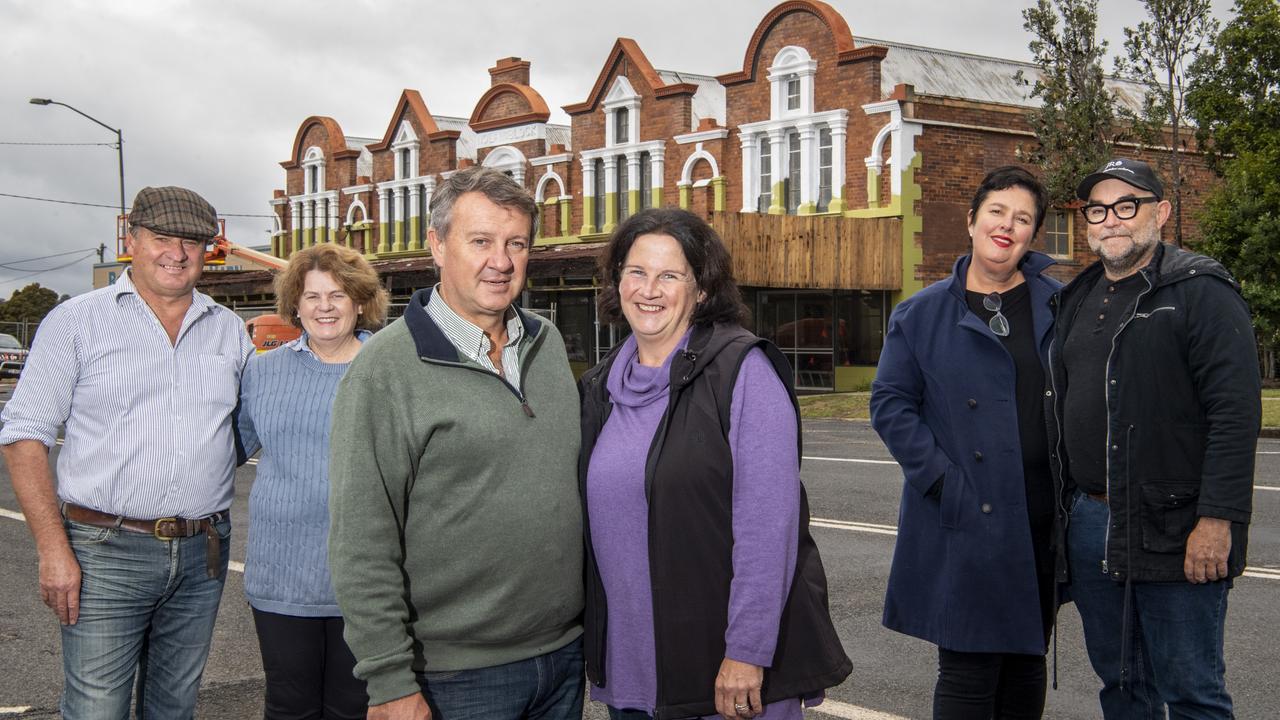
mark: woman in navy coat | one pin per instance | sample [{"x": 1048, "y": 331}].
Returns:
[{"x": 958, "y": 399}]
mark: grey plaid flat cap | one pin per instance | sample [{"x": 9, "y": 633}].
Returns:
[{"x": 174, "y": 211}]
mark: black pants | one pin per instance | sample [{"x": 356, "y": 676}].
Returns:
[
  {"x": 983, "y": 686},
  {"x": 308, "y": 669}
]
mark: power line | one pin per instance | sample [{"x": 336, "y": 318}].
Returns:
[
  {"x": 86, "y": 256},
  {"x": 62, "y": 144},
  {"x": 113, "y": 207},
  {"x": 7, "y": 265}
]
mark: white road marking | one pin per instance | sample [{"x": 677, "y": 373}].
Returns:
[
  {"x": 14, "y": 709},
  {"x": 852, "y": 460},
  {"x": 1266, "y": 487},
  {"x": 852, "y": 712},
  {"x": 848, "y": 525},
  {"x": 13, "y": 515},
  {"x": 875, "y": 529}
]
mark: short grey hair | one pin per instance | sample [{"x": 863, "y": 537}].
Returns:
[{"x": 495, "y": 185}]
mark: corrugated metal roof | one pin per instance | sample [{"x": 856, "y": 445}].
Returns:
[
  {"x": 467, "y": 141},
  {"x": 947, "y": 73},
  {"x": 364, "y": 163},
  {"x": 561, "y": 134},
  {"x": 708, "y": 101}
]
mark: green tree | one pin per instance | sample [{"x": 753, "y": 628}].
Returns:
[
  {"x": 30, "y": 304},
  {"x": 1074, "y": 123},
  {"x": 1157, "y": 55},
  {"x": 1234, "y": 93},
  {"x": 1234, "y": 97}
]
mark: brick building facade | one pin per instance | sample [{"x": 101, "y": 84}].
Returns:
[{"x": 838, "y": 169}]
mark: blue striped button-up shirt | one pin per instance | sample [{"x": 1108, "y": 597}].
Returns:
[{"x": 148, "y": 423}]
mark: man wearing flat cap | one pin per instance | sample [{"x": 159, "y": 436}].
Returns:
[
  {"x": 142, "y": 376},
  {"x": 1154, "y": 424}
]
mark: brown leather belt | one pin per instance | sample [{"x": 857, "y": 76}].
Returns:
[
  {"x": 1097, "y": 497},
  {"x": 166, "y": 529}
]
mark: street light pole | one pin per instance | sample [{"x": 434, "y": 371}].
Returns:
[{"x": 119, "y": 138}]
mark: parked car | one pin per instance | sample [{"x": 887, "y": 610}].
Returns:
[{"x": 12, "y": 356}]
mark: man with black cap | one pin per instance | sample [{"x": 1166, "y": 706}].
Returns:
[
  {"x": 1154, "y": 422},
  {"x": 143, "y": 376}
]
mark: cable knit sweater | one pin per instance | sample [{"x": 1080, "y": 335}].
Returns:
[{"x": 286, "y": 403}]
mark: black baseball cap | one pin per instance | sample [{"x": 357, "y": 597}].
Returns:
[{"x": 1134, "y": 172}]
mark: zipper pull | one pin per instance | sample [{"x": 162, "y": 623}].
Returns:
[{"x": 524, "y": 405}]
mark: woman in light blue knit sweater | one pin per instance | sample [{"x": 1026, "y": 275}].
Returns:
[{"x": 286, "y": 400}]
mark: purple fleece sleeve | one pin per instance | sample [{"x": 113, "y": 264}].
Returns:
[{"x": 766, "y": 509}]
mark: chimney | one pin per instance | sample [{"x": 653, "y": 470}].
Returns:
[{"x": 509, "y": 70}]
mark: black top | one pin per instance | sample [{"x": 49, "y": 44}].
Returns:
[
  {"x": 1028, "y": 393},
  {"x": 1084, "y": 354}
]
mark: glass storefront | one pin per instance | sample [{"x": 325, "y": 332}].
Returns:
[{"x": 820, "y": 331}]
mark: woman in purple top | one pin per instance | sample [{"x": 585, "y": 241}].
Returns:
[{"x": 705, "y": 593}]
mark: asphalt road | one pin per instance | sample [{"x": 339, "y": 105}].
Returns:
[{"x": 853, "y": 489}]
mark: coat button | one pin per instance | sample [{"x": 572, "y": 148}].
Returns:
[
  {"x": 977, "y": 455},
  {"x": 986, "y": 508},
  {"x": 1113, "y": 382},
  {"x": 973, "y": 403},
  {"x": 1048, "y": 393}
]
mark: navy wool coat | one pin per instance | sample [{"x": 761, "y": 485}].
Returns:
[{"x": 963, "y": 573}]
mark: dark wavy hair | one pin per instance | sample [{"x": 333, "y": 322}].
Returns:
[
  {"x": 1005, "y": 177},
  {"x": 704, "y": 251}
]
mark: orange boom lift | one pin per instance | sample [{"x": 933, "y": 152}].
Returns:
[{"x": 267, "y": 330}]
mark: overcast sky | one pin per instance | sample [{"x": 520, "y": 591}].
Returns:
[{"x": 209, "y": 95}]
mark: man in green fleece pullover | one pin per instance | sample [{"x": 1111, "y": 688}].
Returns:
[{"x": 456, "y": 539}]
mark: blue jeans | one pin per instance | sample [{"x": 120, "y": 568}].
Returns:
[
  {"x": 147, "y": 609},
  {"x": 1176, "y": 632},
  {"x": 546, "y": 687}
]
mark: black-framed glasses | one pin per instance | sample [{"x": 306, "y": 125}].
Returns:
[
  {"x": 998, "y": 323},
  {"x": 1126, "y": 209}
]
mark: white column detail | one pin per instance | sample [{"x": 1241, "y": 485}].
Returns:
[
  {"x": 750, "y": 172},
  {"x": 808, "y": 164}
]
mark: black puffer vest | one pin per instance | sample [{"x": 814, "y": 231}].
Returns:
[{"x": 689, "y": 486}]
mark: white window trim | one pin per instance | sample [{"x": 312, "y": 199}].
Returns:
[
  {"x": 351, "y": 212},
  {"x": 549, "y": 176},
  {"x": 657, "y": 163},
  {"x": 621, "y": 96},
  {"x": 791, "y": 62},
  {"x": 406, "y": 140},
  {"x": 507, "y": 159},
  {"x": 901, "y": 133},
  {"x": 776, "y": 129},
  {"x": 686, "y": 173},
  {"x": 313, "y": 158}
]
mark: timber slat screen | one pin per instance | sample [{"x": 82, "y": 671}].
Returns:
[{"x": 813, "y": 251}]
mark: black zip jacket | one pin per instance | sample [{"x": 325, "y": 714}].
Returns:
[
  {"x": 1183, "y": 415},
  {"x": 689, "y": 487}
]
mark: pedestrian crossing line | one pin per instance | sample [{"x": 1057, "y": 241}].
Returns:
[
  {"x": 13, "y": 515},
  {"x": 852, "y": 712},
  {"x": 14, "y": 709}
]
